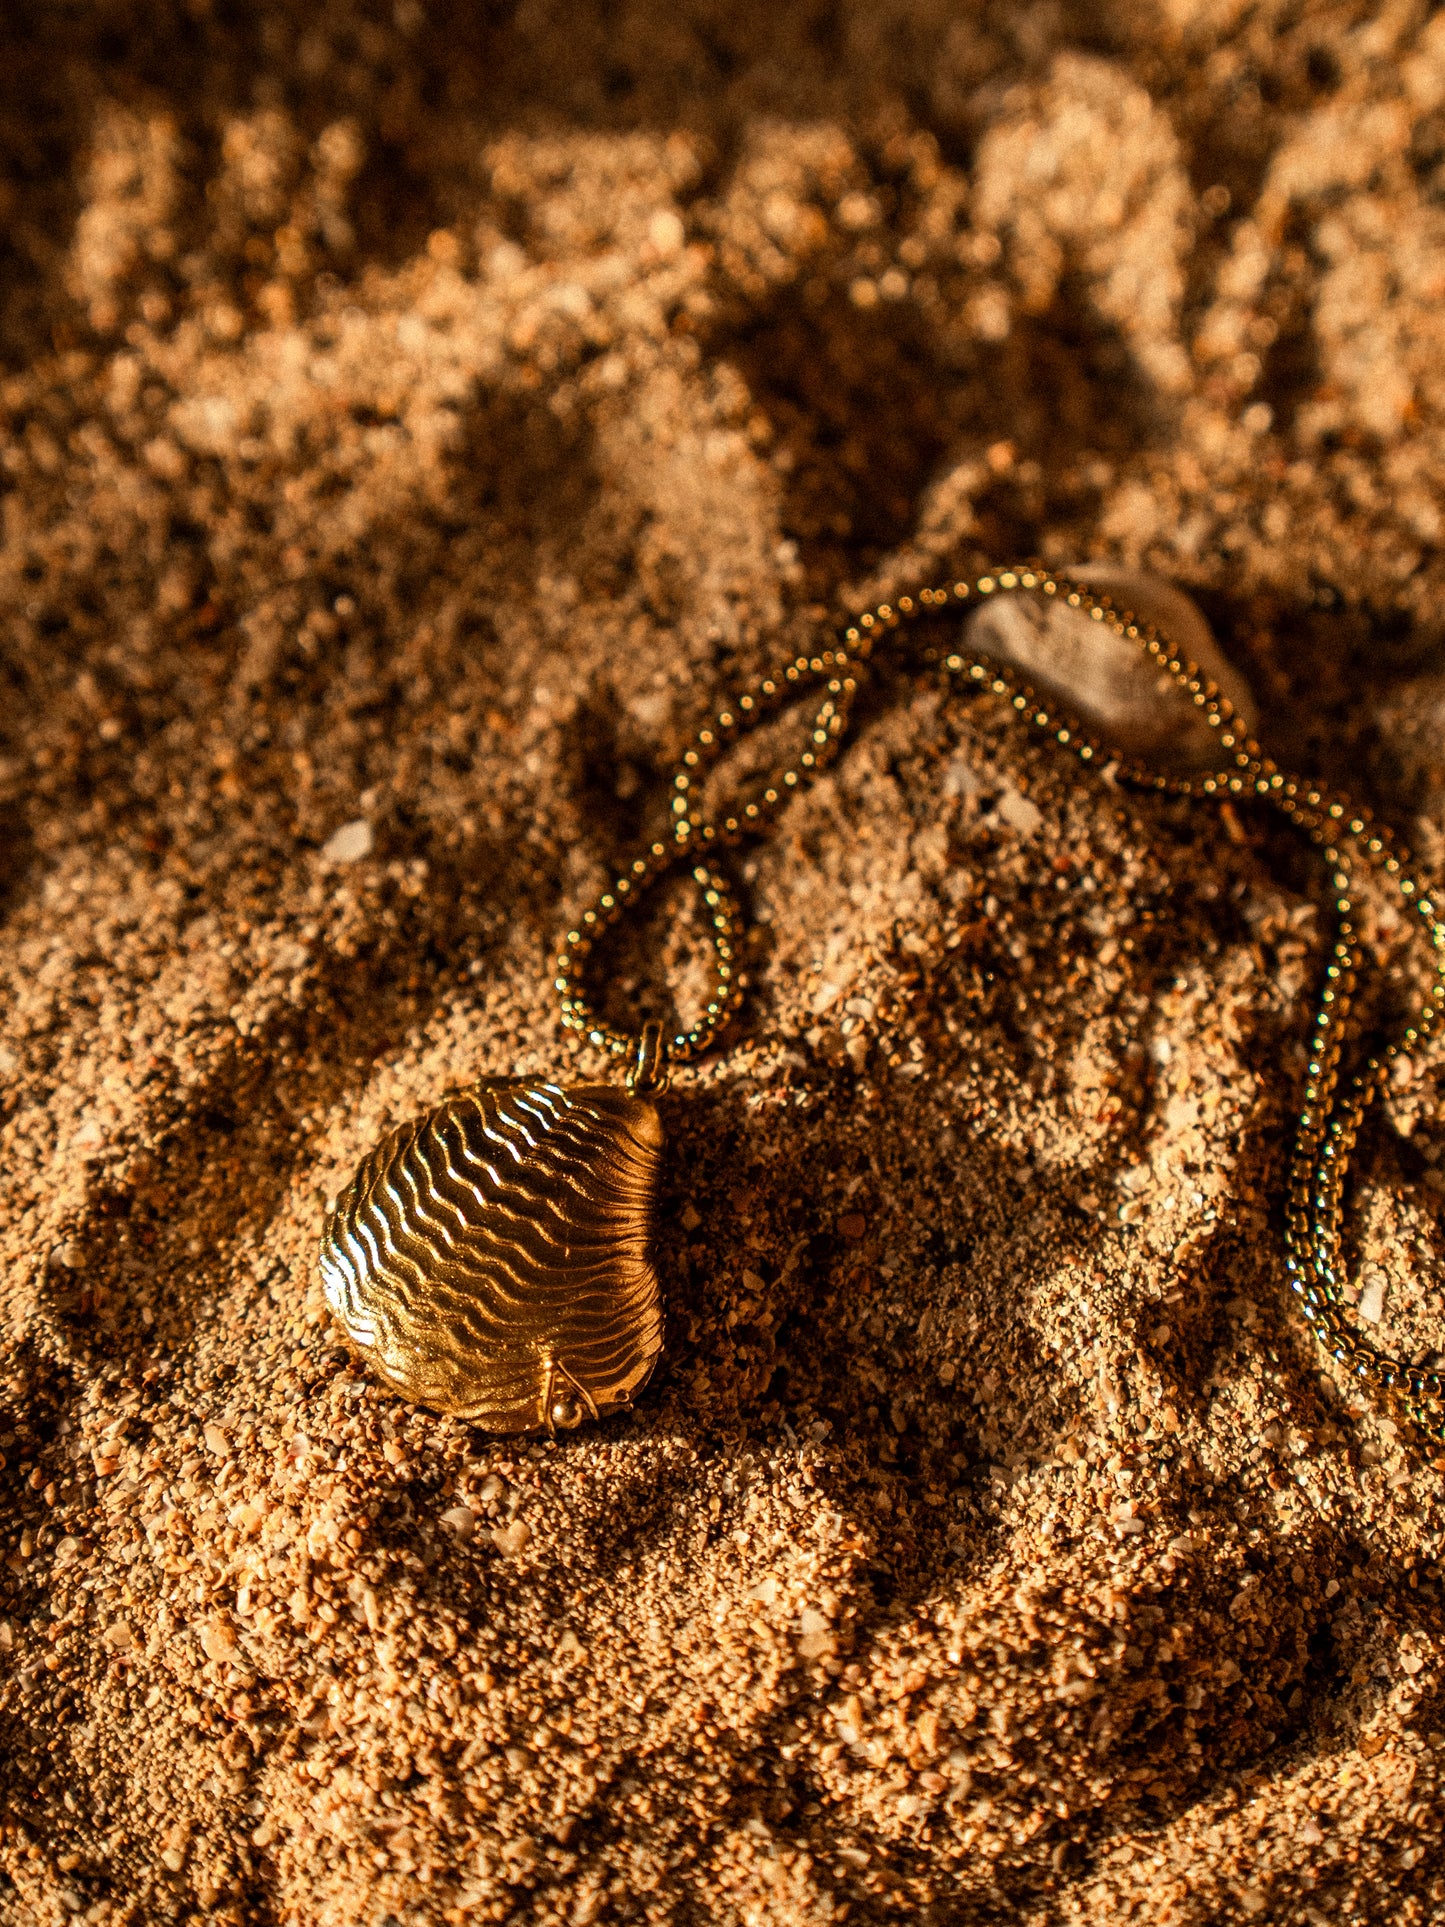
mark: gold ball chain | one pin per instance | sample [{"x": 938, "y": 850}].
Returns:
[
  {"x": 1330, "y": 1121},
  {"x": 689, "y": 829}
]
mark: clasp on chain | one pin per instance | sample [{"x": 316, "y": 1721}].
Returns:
[{"x": 648, "y": 1068}]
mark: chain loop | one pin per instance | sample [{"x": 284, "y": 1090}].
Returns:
[
  {"x": 577, "y": 1011},
  {"x": 690, "y": 828},
  {"x": 1329, "y": 1122}
]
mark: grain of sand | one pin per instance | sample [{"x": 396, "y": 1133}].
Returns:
[{"x": 415, "y": 417}]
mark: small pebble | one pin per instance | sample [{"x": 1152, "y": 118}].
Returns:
[
  {"x": 349, "y": 844},
  {"x": 461, "y": 1520}
]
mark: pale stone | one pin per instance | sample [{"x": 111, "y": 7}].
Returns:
[
  {"x": 461, "y": 1520},
  {"x": 349, "y": 844},
  {"x": 1106, "y": 680},
  {"x": 218, "y": 1639},
  {"x": 1015, "y": 809}
]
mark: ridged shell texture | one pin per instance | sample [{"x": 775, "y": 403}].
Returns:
[{"x": 491, "y": 1257}]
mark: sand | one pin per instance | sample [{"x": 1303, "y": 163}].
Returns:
[{"x": 420, "y": 418}]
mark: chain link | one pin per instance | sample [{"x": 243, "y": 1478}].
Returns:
[{"x": 1331, "y": 1118}]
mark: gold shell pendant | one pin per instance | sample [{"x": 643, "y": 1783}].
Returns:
[{"x": 490, "y": 1259}]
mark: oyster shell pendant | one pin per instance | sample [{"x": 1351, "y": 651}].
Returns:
[{"x": 490, "y": 1258}]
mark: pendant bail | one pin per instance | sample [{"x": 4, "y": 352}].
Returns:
[{"x": 648, "y": 1069}]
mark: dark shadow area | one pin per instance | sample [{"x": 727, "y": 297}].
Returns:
[
  {"x": 41, "y": 130},
  {"x": 857, "y": 402},
  {"x": 18, "y": 864},
  {"x": 1290, "y": 372},
  {"x": 1066, "y": 381},
  {"x": 864, "y": 404},
  {"x": 1328, "y": 675}
]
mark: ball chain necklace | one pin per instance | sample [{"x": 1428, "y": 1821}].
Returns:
[{"x": 491, "y": 1259}]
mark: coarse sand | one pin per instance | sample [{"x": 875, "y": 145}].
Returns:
[{"x": 414, "y": 419}]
